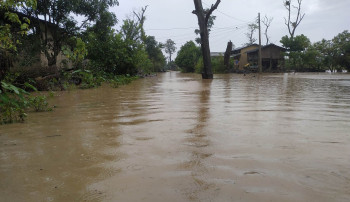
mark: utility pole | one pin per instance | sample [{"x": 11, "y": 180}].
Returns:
[{"x": 260, "y": 60}]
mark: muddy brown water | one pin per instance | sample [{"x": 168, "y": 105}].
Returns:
[{"x": 175, "y": 137}]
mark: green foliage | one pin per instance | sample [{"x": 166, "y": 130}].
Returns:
[
  {"x": 131, "y": 31},
  {"x": 298, "y": 43},
  {"x": 217, "y": 63},
  {"x": 76, "y": 54},
  {"x": 62, "y": 25},
  {"x": 296, "y": 47},
  {"x": 218, "y": 66},
  {"x": 170, "y": 48},
  {"x": 199, "y": 66},
  {"x": 108, "y": 52},
  {"x": 187, "y": 57},
  {"x": 117, "y": 81},
  {"x": 13, "y": 103},
  {"x": 39, "y": 103},
  {"x": 341, "y": 44},
  {"x": 8, "y": 41},
  {"x": 83, "y": 78},
  {"x": 323, "y": 55},
  {"x": 155, "y": 54},
  {"x": 142, "y": 62},
  {"x": 312, "y": 59}
]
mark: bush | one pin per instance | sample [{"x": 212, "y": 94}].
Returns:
[
  {"x": 187, "y": 57},
  {"x": 16, "y": 101},
  {"x": 13, "y": 103},
  {"x": 117, "y": 81},
  {"x": 39, "y": 103},
  {"x": 218, "y": 65}
]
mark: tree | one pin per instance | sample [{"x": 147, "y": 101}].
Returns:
[
  {"x": 329, "y": 53},
  {"x": 154, "y": 50},
  {"x": 296, "y": 47},
  {"x": 250, "y": 34},
  {"x": 11, "y": 24},
  {"x": 12, "y": 27},
  {"x": 312, "y": 59},
  {"x": 57, "y": 15},
  {"x": 203, "y": 19},
  {"x": 298, "y": 43},
  {"x": 131, "y": 30},
  {"x": 210, "y": 25},
  {"x": 292, "y": 25},
  {"x": 169, "y": 48},
  {"x": 342, "y": 45},
  {"x": 267, "y": 22},
  {"x": 187, "y": 57},
  {"x": 227, "y": 55},
  {"x": 141, "y": 17}
]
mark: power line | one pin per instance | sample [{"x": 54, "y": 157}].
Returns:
[
  {"x": 216, "y": 37},
  {"x": 214, "y": 33},
  {"x": 169, "y": 29},
  {"x": 185, "y": 28},
  {"x": 225, "y": 13}
]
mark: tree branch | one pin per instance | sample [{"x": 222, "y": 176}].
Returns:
[{"x": 213, "y": 7}]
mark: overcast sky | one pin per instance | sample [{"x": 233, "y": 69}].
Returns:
[{"x": 174, "y": 19}]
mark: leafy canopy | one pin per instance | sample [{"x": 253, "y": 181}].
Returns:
[{"x": 188, "y": 56}]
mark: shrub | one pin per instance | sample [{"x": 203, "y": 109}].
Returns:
[{"x": 13, "y": 103}]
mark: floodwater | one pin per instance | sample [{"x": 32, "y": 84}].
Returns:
[{"x": 175, "y": 137}]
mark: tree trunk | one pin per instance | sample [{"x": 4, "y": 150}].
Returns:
[
  {"x": 203, "y": 27},
  {"x": 227, "y": 55},
  {"x": 207, "y": 70}
]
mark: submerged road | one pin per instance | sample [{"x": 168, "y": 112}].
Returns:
[{"x": 176, "y": 137}]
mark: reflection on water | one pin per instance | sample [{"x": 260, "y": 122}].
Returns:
[{"x": 277, "y": 137}]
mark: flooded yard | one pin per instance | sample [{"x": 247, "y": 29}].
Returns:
[{"x": 176, "y": 137}]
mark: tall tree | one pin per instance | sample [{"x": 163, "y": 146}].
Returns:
[
  {"x": 58, "y": 21},
  {"x": 141, "y": 18},
  {"x": 267, "y": 22},
  {"x": 203, "y": 19},
  {"x": 342, "y": 44},
  {"x": 250, "y": 34},
  {"x": 292, "y": 25},
  {"x": 296, "y": 47},
  {"x": 187, "y": 57},
  {"x": 210, "y": 25},
  {"x": 155, "y": 54},
  {"x": 169, "y": 48}
]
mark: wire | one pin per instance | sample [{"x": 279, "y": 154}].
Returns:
[
  {"x": 184, "y": 28},
  {"x": 225, "y": 13},
  {"x": 215, "y": 32},
  {"x": 169, "y": 29}
]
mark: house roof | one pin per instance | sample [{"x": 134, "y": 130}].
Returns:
[
  {"x": 238, "y": 50},
  {"x": 216, "y": 54},
  {"x": 267, "y": 46}
]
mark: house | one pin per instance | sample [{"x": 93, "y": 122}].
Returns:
[
  {"x": 240, "y": 56},
  {"x": 40, "y": 30},
  {"x": 272, "y": 57},
  {"x": 217, "y": 54}
]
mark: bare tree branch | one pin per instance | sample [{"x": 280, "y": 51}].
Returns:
[
  {"x": 267, "y": 22},
  {"x": 213, "y": 7},
  {"x": 292, "y": 26},
  {"x": 141, "y": 17}
]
